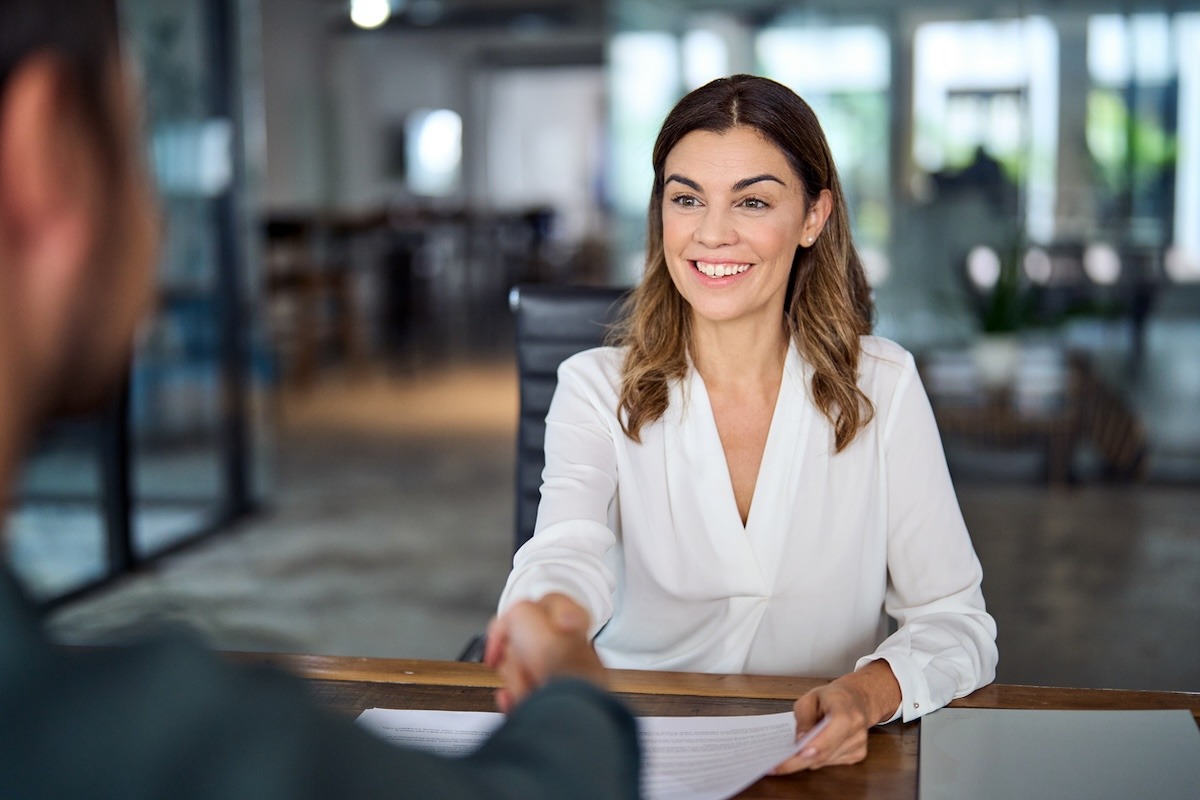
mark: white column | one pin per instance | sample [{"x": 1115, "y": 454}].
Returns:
[
  {"x": 1074, "y": 208},
  {"x": 1187, "y": 176}
]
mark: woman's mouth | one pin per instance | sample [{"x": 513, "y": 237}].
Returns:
[{"x": 711, "y": 270}]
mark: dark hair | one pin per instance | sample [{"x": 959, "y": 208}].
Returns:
[
  {"x": 82, "y": 34},
  {"x": 828, "y": 304}
]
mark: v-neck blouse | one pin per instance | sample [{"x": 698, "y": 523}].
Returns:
[{"x": 648, "y": 538}]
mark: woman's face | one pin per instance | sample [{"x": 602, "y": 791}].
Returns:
[{"x": 733, "y": 214}]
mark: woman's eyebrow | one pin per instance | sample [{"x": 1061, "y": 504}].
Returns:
[
  {"x": 745, "y": 182},
  {"x": 685, "y": 181},
  {"x": 737, "y": 187}
]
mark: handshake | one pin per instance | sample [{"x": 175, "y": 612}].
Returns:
[{"x": 534, "y": 642}]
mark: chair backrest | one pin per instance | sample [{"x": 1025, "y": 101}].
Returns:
[{"x": 552, "y": 323}]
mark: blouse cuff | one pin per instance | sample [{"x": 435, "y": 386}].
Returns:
[{"x": 915, "y": 701}]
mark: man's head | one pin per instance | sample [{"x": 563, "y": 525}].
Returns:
[{"x": 77, "y": 221}]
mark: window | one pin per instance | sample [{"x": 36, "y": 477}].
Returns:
[
  {"x": 433, "y": 139},
  {"x": 844, "y": 73},
  {"x": 989, "y": 90}
]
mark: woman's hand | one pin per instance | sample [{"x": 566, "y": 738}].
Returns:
[
  {"x": 533, "y": 642},
  {"x": 853, "y": 703}
]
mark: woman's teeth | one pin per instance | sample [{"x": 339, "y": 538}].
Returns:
[{"x": 720, "y": 270}]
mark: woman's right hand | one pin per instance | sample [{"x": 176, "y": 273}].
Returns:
[
  {"x": 533, "y": 642},
  {"x": 852, "y": 704}
]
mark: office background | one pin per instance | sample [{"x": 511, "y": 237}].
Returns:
[{"x": 314, "y": 450}]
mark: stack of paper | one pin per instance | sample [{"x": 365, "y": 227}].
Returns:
[{"x": 685, "y": 758}]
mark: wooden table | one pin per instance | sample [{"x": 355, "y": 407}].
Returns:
[
  {"x": 1088, "y": 409},
  {"x": 350, "y": 685}
]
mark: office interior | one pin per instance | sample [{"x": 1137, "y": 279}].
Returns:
[{"x": 314, "y": 450}]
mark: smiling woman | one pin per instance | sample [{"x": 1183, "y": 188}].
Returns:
[
  {"x": 748, "y": 481},
  {"x": 730, "y": 246},
  {"x": 761, "y": 129}
]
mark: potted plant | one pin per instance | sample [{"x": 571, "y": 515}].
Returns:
[{"x": 1001, "y": 313}]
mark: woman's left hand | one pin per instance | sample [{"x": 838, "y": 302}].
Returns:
[{"x": 853, "y": 703}]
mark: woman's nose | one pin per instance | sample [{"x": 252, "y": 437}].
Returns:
[{"x": 716, "y": 228}]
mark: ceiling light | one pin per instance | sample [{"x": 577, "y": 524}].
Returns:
[
  {"x": 370, "y": 13},
  {"x": 983, "y": 266},
  {"x": 1102, "y": 264}
]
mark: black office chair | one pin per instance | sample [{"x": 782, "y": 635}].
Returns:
[{"x": 553, "y": 323}]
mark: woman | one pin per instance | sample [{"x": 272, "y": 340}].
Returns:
[{"x": 749, "y": 481}]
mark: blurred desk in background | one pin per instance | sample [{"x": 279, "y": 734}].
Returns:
[
  {"x": 393, "y": 282},
  {"x": 1048, "y": 398},
  {"x": 311, "y": 303}
]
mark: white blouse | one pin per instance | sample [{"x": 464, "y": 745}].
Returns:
[{"x": 647, "y": 537}]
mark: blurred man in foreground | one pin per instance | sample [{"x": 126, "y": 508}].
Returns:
[{"x": 164, "y": 718}]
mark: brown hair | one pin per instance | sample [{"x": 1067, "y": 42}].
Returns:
[
  {"x": 82, "y": 34},
  {"x": 828, "y": 303}
]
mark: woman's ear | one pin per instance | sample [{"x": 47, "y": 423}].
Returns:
[
  {"x": 48, "y": 175},
  {"x": 816, "y": 217}
]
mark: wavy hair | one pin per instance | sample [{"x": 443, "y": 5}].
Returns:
[{"x": 828, "y": 305}]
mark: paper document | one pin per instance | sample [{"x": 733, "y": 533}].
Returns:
[
  {"x": 689, "y": 758},
  {"x": 447, "y": 733},
  {"x": 711, "y": 757}
]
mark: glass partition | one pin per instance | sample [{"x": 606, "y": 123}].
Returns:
[{"x": 171, "y": 458}]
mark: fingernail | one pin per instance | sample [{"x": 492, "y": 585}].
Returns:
[{"x": 810, "y": 753}]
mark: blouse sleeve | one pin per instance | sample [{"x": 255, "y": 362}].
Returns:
[
  {"x": 573, "y": 535},
  {"x": 945, "y": 646}
]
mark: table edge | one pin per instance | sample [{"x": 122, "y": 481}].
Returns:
[{"x": 767, "y": 687}]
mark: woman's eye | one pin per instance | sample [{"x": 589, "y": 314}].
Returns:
[
  {"x": 685, "y": 200},
  {"x": 754, "y": 202}
]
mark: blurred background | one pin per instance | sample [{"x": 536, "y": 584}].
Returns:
[{"x": 314, "y": 449}]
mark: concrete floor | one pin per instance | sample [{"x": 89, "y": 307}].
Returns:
[{"x": 390, "y": 530}]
